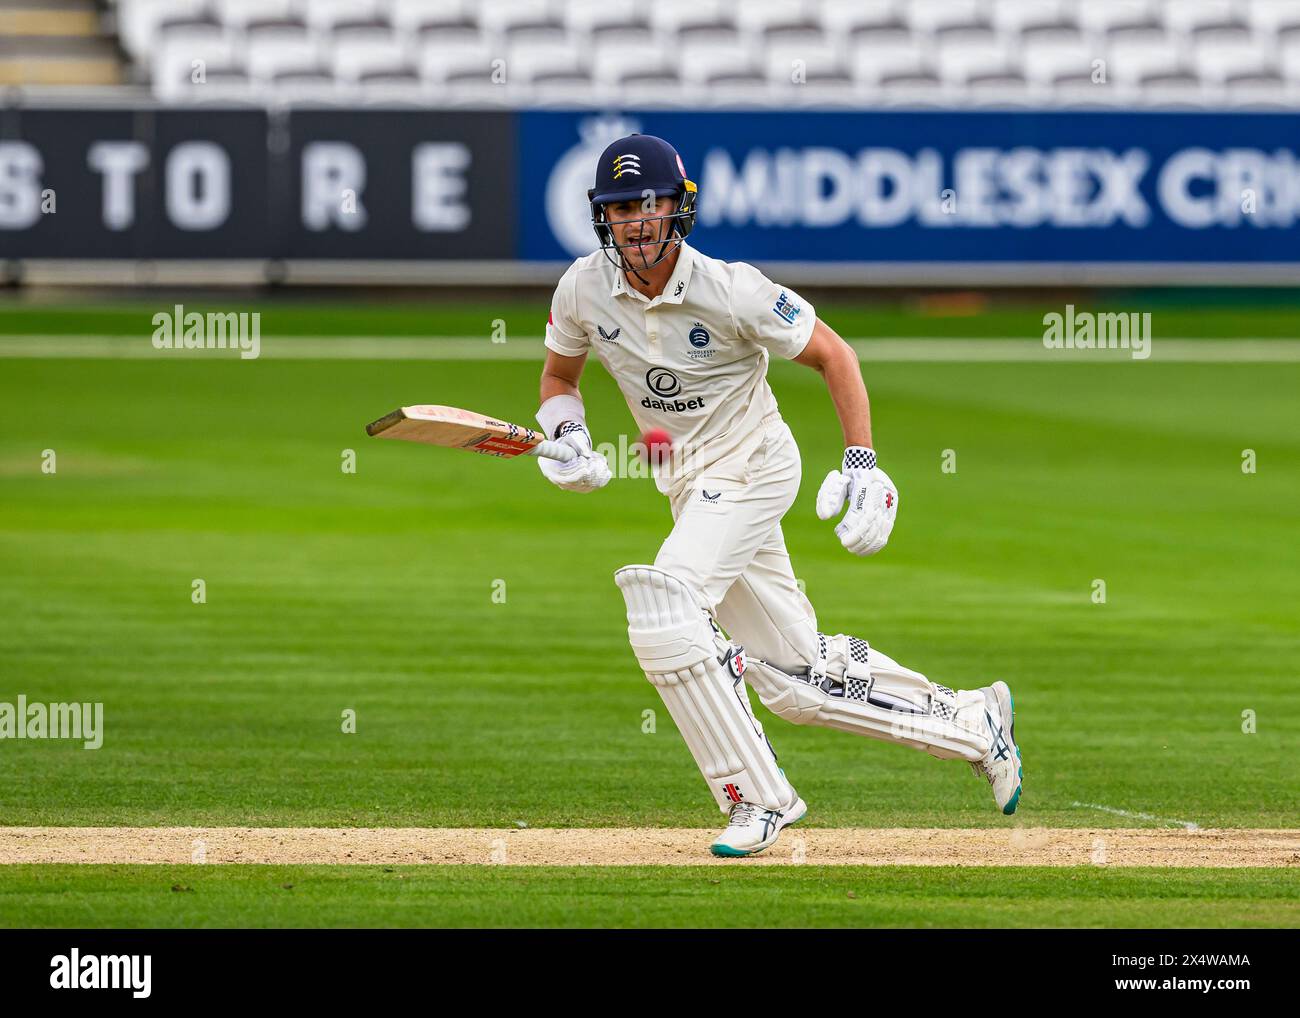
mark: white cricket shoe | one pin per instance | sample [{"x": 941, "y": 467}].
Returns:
[
  {"x": 751, "y": 828},
  {"x": 1002, "y": 764}
]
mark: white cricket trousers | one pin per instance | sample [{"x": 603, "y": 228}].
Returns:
[{"x": 727, "y": 545}]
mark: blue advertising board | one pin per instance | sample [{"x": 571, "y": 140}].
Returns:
[{"x": 966, "y": 187}]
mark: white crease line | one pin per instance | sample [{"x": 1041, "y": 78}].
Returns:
[
  {"x": 453, "y": 348},
  {"x": 1185, "y": 824}
]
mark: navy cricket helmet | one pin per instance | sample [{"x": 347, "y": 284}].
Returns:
[{"x": 636, "y": 168}]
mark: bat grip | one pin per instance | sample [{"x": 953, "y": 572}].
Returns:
[{"x": 554, "y": 451}]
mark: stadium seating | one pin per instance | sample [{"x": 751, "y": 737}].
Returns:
[
  {"x": 56, "y": 43},
  {"x": 719, "y": 52}
]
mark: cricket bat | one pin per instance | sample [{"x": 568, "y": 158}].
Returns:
[{"x": 464, "y": 429}]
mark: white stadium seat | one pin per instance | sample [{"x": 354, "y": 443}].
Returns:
[
  {"x": 306, "y": 86},
  {"x": 1043, "y": 61},
  {"x": 173, "y": 62},
  {"x": 459, "y": 33},
  {"x": 138, "y": 20},
  {"x": 613, "y": 62},
  {"x": 739, "y": 92},
  {"x": 225, "y": 87},
  {"x": 323, "y": 15},
  {"x": 1288, "y": 57},
  {"x": 1220, "y": 55},
  {"x": 475, "y": 94},
  {"x": 933, "y": 15},
  {"x": 1082, "y": 91},
  {"x": 581, "y": 16},
  {"x": 669, "y": 16},
  {"x": 526, "y": 61},
  {"x": 1101, "y": 16},
  {"x": 1263, "y": 90},
  {"x": 268, "y": 54},
  {"x": 814, "y": 61},
  {"x": 841, "y": 17},
  {"x": 832, "y": 90},
  {"x": 958, "y": 60},
  {"x": 998, "y": 91},
  {"x": 198, "y": 26},
  {"x": 654, "y": 90},
  {"x": 501, "y": 16},
  {"x": 438, "y": 61},
  {"x": 791, "y": 38},
  {"x": 699, "y": 40},
  {"x": 1133, "y": 56},
  {"x": 641, "y": 36},
  {"x": 1176, "y": 89},
  {"x": 177, "y": 46},
  {"x": 353, "y": 58},
  {"x": 1188, "y": 15},
  {"x": 700, "y": 62},
  {"x": 707, "y": 52},
  {"x": 562, "y": 90},
  {"x": 911, "y": 92},
  {"x": 1269, "y": 16},
  {"x": 756, "y": 16},
  {"x": 869, "y": 64},
  {"x": 238, "y": 13},
  {"x": 408, "y": 15},
  {"x": 1011, "y": 16},
  {"x": 536, "y": 36}
]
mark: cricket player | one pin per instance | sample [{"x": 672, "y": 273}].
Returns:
[{"x": 687, "y": 338}]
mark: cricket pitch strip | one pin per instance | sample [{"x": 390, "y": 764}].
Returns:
[{"x": 648, "y": 846}]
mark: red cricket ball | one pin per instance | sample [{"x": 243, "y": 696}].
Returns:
[{"x": 656, "y": 445}]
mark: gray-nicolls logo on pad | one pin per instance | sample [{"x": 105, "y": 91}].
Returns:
[{"x": 77, "y": 971}]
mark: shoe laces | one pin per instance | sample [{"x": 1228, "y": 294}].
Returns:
[{"x": 742, "y": 813}]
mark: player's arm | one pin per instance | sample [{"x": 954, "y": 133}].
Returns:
[
  {"x": 836, "y": 362},
  {"x": 871, "y": 496},
  {"x": 778, "y": 319},
  {"x": 560, "y": 376}
]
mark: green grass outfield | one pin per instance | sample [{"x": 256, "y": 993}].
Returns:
[
  {"x": 1218, "y": 314},
  {"x": 373, "y": 592},
  {"x": 818, "y": 896}
]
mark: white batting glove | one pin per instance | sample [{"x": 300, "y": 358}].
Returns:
[
  {"x": 872, "y": 500},
  {"x": 587, "y": 471}
]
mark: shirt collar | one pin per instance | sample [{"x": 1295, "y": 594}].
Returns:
[
  {"x": 681, "y": 277},
  {"x": 678, "y": 282}
]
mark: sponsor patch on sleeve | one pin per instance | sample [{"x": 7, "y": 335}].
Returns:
[{"x": 787, "y": 309}]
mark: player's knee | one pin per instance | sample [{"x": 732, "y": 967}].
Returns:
[
  {"x": 668, "y": 630},
  {"x": 786, "y": 697},
  {"x": 689, "y": 576},
  {"x": 670, "y": 589},
  {"x": 801, "y": 641}
]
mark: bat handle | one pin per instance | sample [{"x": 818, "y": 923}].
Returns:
[{"x": 554, "y": 451}]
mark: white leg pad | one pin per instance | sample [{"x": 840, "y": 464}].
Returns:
[
  {"x": 679, "y": 652},
  {"x": 857, "y": 689}
]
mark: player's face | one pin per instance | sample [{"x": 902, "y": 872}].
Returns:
[{"x": 638, "y": 238}]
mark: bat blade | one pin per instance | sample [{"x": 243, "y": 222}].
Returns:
[{"x": 455, "y": 428}]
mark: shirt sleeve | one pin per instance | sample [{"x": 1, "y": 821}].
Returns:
[
  {"x": 564, "y": 332},
  {"x": 771, "y": 315}
]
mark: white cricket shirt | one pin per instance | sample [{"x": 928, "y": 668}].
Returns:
[{"x": 693, "y": 361}]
